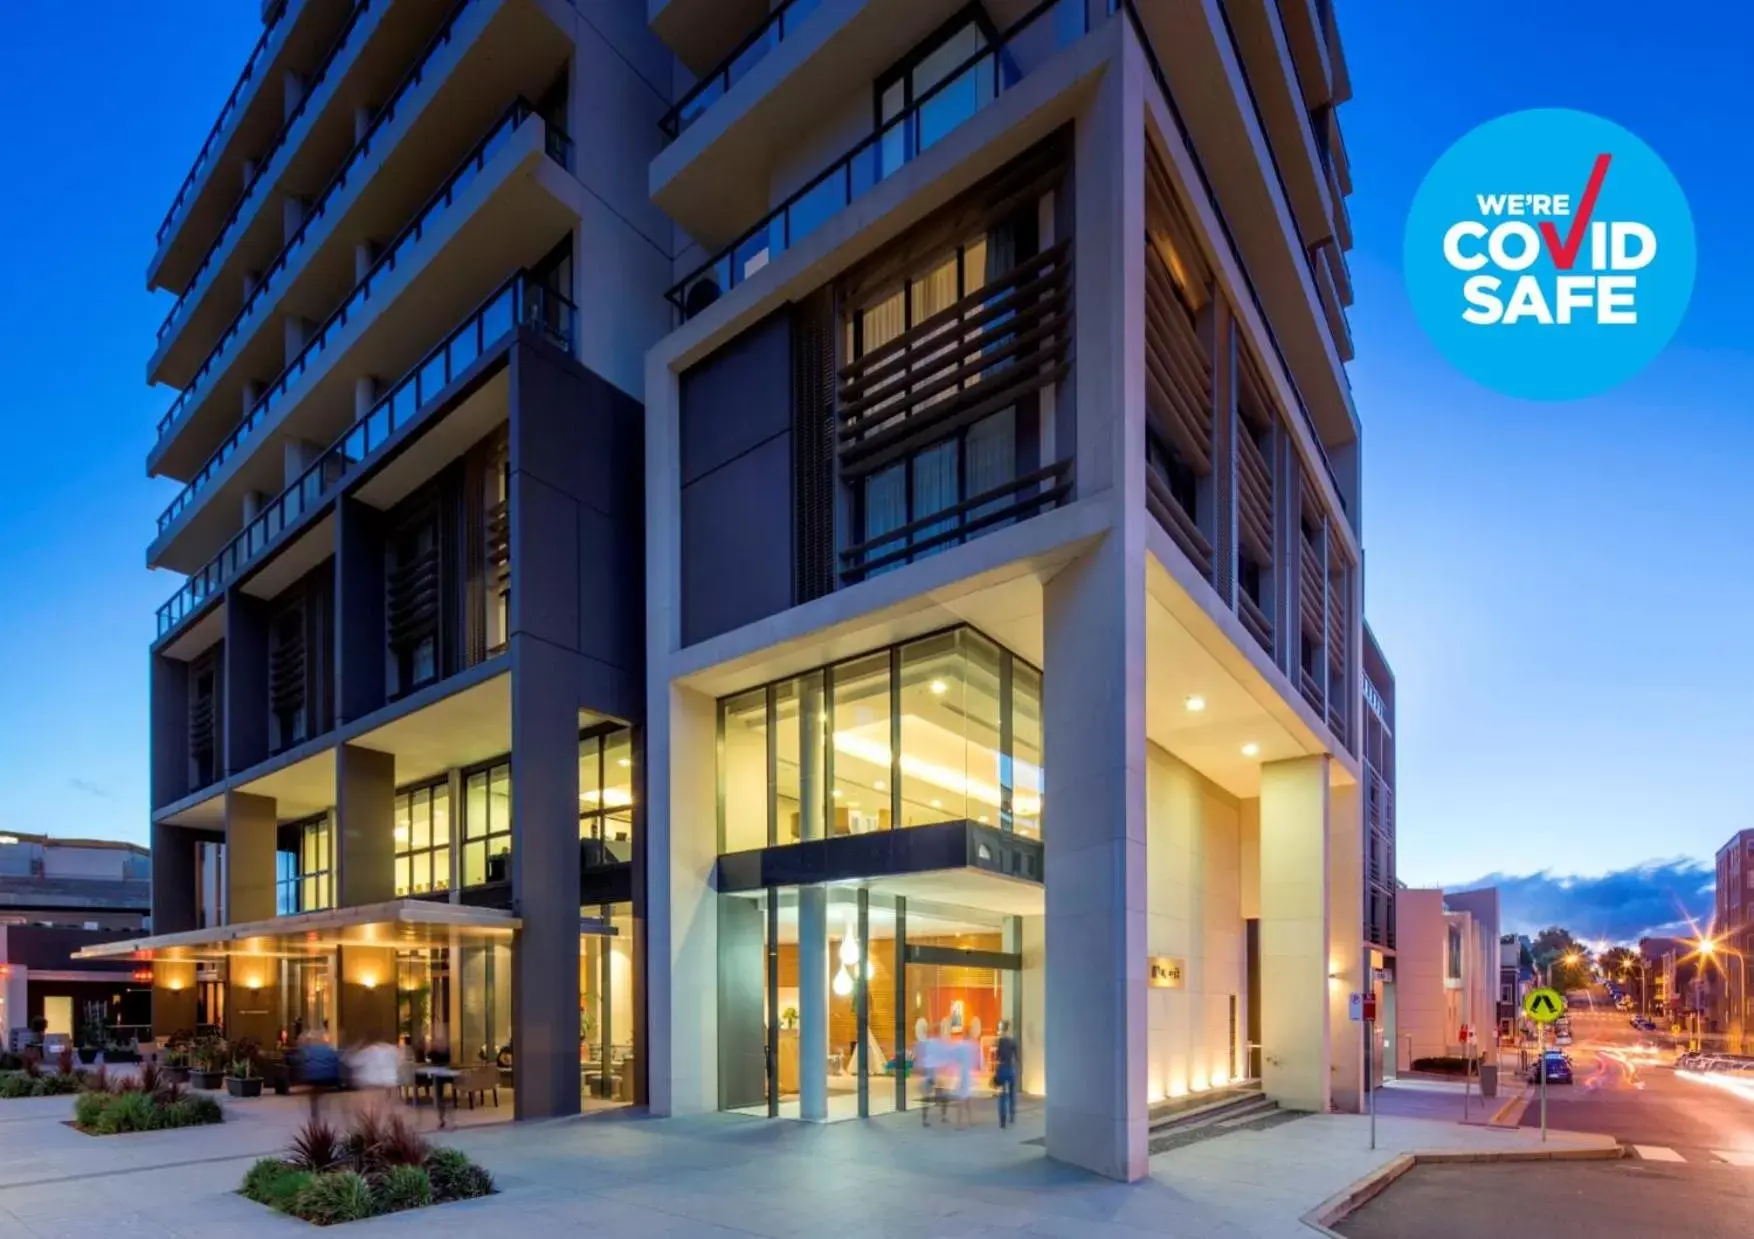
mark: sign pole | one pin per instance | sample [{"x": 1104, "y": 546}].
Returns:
[
  {"x": 1370, "y": 1075},
  {"x": 1541, "y": 1058},
  {"x": 1467, "y": 1073}
]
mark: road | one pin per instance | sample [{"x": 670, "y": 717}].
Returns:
[{"x": 1689, "y": 1167}]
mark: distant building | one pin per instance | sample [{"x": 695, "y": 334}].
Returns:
[
  {"x": 1513, "y": 980},
  {"x": 1447, "y": 971},
  {"x": 1731, "y": 912},
  {"x": 58, "y": 896}
]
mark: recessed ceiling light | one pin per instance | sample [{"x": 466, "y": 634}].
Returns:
[
  {"x": 1251, "y": 749},
  {"x": 624, "y": 763},
  {"x": 937, "y": 804},
  {"x": 837, "y": 793},
  {"x": 879, "y": 785},
  {"x": 983, "y": 819},
  {"x": 1195, "y": 703},
  {"x": 939, "y": 688}
]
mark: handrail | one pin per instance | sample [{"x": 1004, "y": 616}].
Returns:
[
  {"x": 1187, "y": 141},
  {"x": 411, "y": 234},
  {"x": 226, "y": 112},
  {"x": 360, "y": 7},
  {"x": 780, "y": 231},
  {"x": 359, "y": 151},
  {"x": 517, "y": 303},
  {"x": 702, "y": 95}
]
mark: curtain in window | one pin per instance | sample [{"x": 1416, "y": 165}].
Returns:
[
  {"x": 935, "y": 488},
  {"x": 885, "y": 506},
  {"x": 992, "y": 457}
]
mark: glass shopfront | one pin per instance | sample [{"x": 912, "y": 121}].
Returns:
[
  {"x": 944, "y": 728},
  {"x": 607, "y": 993},
  {"x": 827, "y": 992}
]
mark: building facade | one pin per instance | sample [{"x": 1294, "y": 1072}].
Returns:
[
  {"x": 1380, "y": 882},
  {"x": 959, "y": 393},
  {"x": 58, "y": 896},
  {"x": 1732, "y": 910},
  {"x": 1447, "y": 972}
]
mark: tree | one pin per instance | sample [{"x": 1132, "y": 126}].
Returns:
[
  {"x": 1561, "y": 959},
  {"x": 1618, "y": 963}
]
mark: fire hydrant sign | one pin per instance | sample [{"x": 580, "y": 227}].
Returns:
[{"x": 1544, "y": 1005}]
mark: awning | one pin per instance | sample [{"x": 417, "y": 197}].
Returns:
[{"x": 402, "y": 924}]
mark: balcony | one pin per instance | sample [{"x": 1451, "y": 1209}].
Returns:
[
  {"x": 445, "y": 92},
  {"x": 294, "y": 33},
  {"x": 965, "y": 89},
  {"x": 780, "y": 25},
  {"x": 504, "y": 208},
  {"x": 428, "y": 386},
  {"x": 700, "y": 32}
]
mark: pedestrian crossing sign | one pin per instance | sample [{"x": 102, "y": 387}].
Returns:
[{"x": 1544, "y": 1005}]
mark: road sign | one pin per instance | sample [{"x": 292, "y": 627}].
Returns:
[
  {"x": 1543, "y": 1005},
  {"x": 1355, "y": 1007},
  {"x": 1467, "y": 1034},
  {"x": 1370, "y": 1008}
]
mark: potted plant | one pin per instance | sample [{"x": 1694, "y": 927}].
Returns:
[
  {"x": 271, "y": 1066},
  {"x": 243, "y": 1080},
  {"x": 207, "y": 1064},
  {"x": 176, "y": 1064}
]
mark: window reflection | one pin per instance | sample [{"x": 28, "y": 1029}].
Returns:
[{"x": 606, "y": 797}]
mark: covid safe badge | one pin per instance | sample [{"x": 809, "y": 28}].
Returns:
[{"x": 1550, "y": 254}]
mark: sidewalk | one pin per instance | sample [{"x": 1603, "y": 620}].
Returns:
[{"x": 726, "y": 1175}]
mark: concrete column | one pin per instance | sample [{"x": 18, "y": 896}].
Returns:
[
  {"x": 250, "y": 825},
  {"x": 173, "y": 997},
  {"x": 296, "y": 86},
  {"x": 813, "y": 1003},
  {"x": 1032, "y": 1019},
  {"x": 365, "y": 395},
  {"x": 170, "y": 729},
  {"x": 173, "y": 879},
  {"x": 1093, "y": 694},
  {"x": 365, "y": 814},
  {"x": 1348, "y": 955},
  {"x": 1295, "y": 944},
  {"x": 301, "y": 454},
  {"x": 682, "y": 948},
  {"x": 364, "y": 255},
  {"x": 298, "y": 332},
  {"x": 545, "y": 877},
  {"x": 366, "y": 1006}
]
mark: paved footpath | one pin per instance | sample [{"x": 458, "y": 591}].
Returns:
[{"x": 719, "y": 1175}]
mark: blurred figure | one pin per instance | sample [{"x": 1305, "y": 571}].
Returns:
[
  {"x": 376, "y": 1066},
  {"x": 317, "y": 1067},
  {"x": 965, "y": 1053},
  {"x": 926, "y": 1062},
  {"x": 1005, "y": 1074}
]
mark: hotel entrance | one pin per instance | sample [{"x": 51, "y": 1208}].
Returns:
[{"x": 827, "y": 992}]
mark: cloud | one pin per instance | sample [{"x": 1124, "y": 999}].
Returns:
[
  {"x": 89, "y": 788},
  {"x": 1657, "y": 898}
]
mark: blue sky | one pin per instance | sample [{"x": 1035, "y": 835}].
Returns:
[{"x": 1561, "y": 588}]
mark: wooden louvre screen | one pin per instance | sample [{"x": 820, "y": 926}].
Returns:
[
  {"x": 1339, "y": 625},
  {"x": 1179, "y": 394},
  {"x": 813, "y": 445},
  {"x": 204, "y": 715},
  {"x": 288, "y": 662},
  {"x": 412, "y": 589},
  {"x": 1255, "y": 440},
  {"x": 986, "y": 351}
]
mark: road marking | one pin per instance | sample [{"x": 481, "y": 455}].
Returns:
[
  {"x": 1657, "y": 1153},
  {"x": 1735, "y": 1157}
]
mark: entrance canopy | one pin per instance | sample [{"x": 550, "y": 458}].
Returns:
[{"x": 400, "y": 924}]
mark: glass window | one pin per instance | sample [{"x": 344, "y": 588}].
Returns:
[
  {"x": 743, "y": 771},
  {"x": 950, "y": 729},
  {"x": 799, "y": 728},
  {"x": 423, "y": 840},
  {"x": 487, "y": 825},
  {"x": 606, "y": 795},
  {"x": 1026, "y": 765},
  {"x": 861, "y": 792},
  {"x": 316, "y": 889}
]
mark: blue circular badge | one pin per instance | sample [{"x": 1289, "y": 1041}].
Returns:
[{"x": 1550, "y": 254}]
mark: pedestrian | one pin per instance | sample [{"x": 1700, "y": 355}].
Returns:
[
  {"x": 318, "y": 1068},
  {"x": 1005, "y": 1074},
  {"x": 965, "y": 1063},
  {"x": 376, "y": 1066},
  {"x": 926, "y": 1067}
]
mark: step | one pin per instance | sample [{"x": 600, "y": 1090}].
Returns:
[{"x": 1243, "y": 1107}]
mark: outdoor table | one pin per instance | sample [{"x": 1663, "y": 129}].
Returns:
[{"x": 438, "y": 1076}]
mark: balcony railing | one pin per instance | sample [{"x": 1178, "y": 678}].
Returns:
[
  {"x": 312, "y": 88},
  {"x": 1162, "y": 79},
  {"x": 750, "y": 52},
  {"x": 964, "y": 90},
  {"x": 362, "y": 149},
  {"x": 226, "y": 114},
  {"x": 517, "y": 303},
  {"x": 398, "y": 249}
]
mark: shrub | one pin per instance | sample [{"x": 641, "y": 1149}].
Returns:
[
  {"x": 89, "y": 1107},
  {"x": 363, "y": 1142},
  {"x": 403, "y": 1187},
  {"x": 127, "y": 1112},
  {"x": 97, "y": 1080},
  {"x": 401, "y": 1145},
  {"x": 287, "y": 1190},
  {"x": 455, "y": 1177},
  {"x": 151, "y": 1078},
  {"x": 194, "y": 1111},
  {"x": 261, "y": 1180},
  {"x": 316, "y": 1147},
  {"x": 335, "y": 1196},
  {"x": 15, "y": 1084}
]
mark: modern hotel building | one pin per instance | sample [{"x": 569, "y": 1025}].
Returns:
[{"x": 882, "y": 470}]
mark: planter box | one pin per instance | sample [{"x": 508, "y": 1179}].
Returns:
[
  {"x": 237, "y": 1087},
  {"x": 206, "y": 1079},
  {"x": 87, "y": 1055},
  {"x": 177, "y": 1075}
]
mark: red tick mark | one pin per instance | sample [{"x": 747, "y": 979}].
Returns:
[{"x": 1565, "y": 253}]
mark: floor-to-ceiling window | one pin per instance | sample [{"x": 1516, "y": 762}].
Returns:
[
  {"x": 944, "y": 728},
  {"x": 606, "y": 796},
  {"x": 607, "y": 994},
  {"x": 423, "y": 839},
  {"x": 487, "y": 824},
  {"x": 304, "y": 871}
]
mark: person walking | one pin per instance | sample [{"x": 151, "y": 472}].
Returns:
[
  {"x": 319, "y": 1068},
  {"x": 965, "y": 1063},
  {"x": 1005, "y": 1074},
  {"x": 928, "y": 1061}
]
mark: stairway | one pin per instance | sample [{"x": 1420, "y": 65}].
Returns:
[{"x": 1211, "y": 1113}]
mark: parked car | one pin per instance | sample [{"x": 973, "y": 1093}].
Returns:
[{"x": 1558, "y": 1069}]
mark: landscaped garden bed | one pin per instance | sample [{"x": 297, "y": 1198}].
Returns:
[
  {"x": 25, "y": 1077},
  {"x": 379, "y": 1165},
  {"x": 149, "y": 1101}
]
